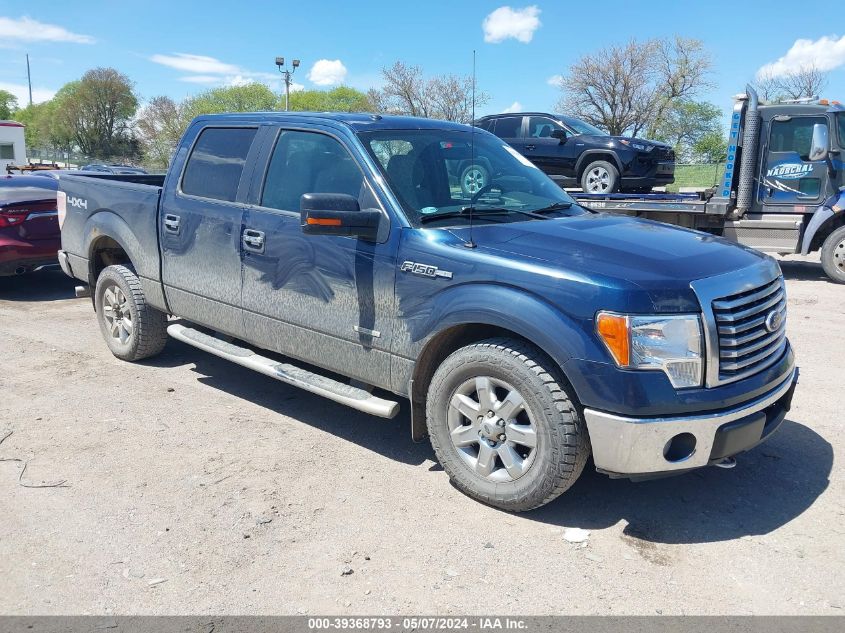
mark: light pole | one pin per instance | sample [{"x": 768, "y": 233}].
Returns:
[{"x": 286, "y": 76}]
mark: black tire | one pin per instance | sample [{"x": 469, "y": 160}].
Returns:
[
  {"x": 833, "y": 255},
  {"x": 146, "y": 330},
  {"x": 562, "y": 443},
  {"x": 470, "y": 184},
  {"x": 605, "y": 172}
]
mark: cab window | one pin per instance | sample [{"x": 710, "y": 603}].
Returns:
[
  {"x": 508, "y": 127},
  {"x": 541, "y": 126},
  {"x": 216, "y": 163},
  {"x": 794, "y": 135},
  {"x": 310, "y": 162}
]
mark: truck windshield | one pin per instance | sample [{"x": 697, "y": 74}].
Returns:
[{"x": 437, "y": 173}]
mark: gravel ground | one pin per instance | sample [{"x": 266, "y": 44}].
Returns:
[{"x": 191, "y": 485}]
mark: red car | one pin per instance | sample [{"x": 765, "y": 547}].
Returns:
[{"x": 29, "y": 226}]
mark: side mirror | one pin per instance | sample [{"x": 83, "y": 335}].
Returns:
[
  {"x": 337, "y": 214},
  {"x": 820, "y": 145},
  {"x": 559, "y": 134}
]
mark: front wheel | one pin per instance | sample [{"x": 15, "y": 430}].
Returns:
[
  {"x": 504, "y": 427},
  {"x": 131, "y": 327},
  {"x": 600, "y": 177},
  {"x": 833, "y": 255}
]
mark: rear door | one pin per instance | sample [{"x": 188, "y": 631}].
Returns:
[
  {"x": 788, "y": 177},
  {"x": 200, "y": 228}
]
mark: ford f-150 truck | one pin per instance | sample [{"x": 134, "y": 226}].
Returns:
[{"x": 338, "y": 253}]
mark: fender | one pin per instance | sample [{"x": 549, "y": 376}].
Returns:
[
  {"x": 821, "y": 216},
  {"x": 585, "y": 158}
]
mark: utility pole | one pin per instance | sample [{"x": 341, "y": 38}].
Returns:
[
  {"x": 286, "y": 77},
  {"x": 29, "y": 79}
]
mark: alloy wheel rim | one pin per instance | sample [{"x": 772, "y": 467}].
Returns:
[
  {"x": 598, "y": 180},
  {"x": 492, "y": 429},
  {"x": 117, "y": 315},
  {"x": 473, "y": 180}
]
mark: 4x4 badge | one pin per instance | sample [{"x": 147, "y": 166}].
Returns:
[{"x": 426, "y": 270}]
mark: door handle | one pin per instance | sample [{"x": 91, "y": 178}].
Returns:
[
  {"x": 530, "y": 147},
  {"x": 171, "y": 223},
  {"x": 253, "y": 240}
]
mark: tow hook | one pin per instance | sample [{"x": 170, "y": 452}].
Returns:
[{"x": 727, "y": 462}]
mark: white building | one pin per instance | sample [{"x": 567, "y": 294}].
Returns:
[{"x": 12, "y": 146}]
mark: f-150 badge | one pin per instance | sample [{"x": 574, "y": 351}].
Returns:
[{"x": 425, "y": 270}]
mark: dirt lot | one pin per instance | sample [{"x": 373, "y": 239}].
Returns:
[{"x": 196, "y": 486}]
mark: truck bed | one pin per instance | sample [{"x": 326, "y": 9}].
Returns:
[{"x": 124, "y": 207}]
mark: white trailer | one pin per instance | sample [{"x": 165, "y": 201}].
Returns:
[{"x": 12, "y": 145}]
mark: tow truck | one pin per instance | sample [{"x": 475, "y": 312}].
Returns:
[{"x": 783, "y": 186}]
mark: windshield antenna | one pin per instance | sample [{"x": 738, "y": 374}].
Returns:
[{"x": 470, "y": 243}]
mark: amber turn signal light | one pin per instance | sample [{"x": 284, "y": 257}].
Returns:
[
  {"x": 325, "y": 221},
  {"x": 613, "y": 330}
]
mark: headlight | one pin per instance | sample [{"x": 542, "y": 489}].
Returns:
[
  {"x": 670, "y": 343},
  {"x": 638, "y": 146}
]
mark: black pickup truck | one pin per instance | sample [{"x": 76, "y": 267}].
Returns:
[{"x": 336, "y": 253}]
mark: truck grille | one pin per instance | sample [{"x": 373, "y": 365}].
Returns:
[{"x": 752, "y": 329}]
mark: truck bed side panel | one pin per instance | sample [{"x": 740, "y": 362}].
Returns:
[{"x": 124, "y": 211}]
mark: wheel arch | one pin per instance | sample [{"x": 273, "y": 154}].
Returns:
[
  {"x": 593, "y": 155},
  {"x": 823, "y": 222}
]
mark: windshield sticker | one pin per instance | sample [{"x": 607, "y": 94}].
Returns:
[
  {"x": 519, "y": 156},
  {"x": 789, "y": 171},
  {"x": 428, "y": 210}
]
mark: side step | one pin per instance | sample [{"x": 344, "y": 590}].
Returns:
[{"x": 315, "y": 383}]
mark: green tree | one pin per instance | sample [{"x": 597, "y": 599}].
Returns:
[
  {"x": 340, "y": 99},
  {"x": 684, "y": 126},
  {"x": 8, "y": 104},
  {"x": 711, "y": 148},
  {"x": 98, "y": 112},
  {"x": 252, "y": 97},
  {"x": 159, "y": 126}
]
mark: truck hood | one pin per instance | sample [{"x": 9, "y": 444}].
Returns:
[{"x": 614, "y": 250}]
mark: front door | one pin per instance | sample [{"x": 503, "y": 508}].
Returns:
[
  {"x": 200, "y": 227},
  {"x": 327, "y": 300},
  {"x": 555, "y": 158},
  {"x": 788, "y": 177}
]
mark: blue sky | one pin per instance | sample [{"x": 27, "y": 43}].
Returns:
[{"x": 181, "y": 47}]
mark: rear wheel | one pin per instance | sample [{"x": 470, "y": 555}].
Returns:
[
  {"x": 131, "y": 328},
  {"x": 503, "y": 426},
  {"x": 473, "y": 179},
  {"x": 600, "y": 177},
  {"x": 833, "y": 255}
]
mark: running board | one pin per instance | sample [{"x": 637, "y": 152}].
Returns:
[{"x": 309, "y": 381}]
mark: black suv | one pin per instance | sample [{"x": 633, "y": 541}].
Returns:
[{"x": 574, "y": 153}]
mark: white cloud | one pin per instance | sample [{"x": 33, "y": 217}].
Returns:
[
  {"x": 505, "y": 22},
  {"x": 555, "y": 80},
  {"x": 327, "y": 72},
  {"x": 516, "y": 106},
  {"x": 21, "y": 91},
  {"x": 201, "y": 79},
  {"x": 28, "y": 30},
  {"x": 198, "y": 64},
  {"x": 825, "y": 53}
]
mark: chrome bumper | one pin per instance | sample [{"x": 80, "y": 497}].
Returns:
[
  {"x": 638, "y": 446},
  {"x": 64, "y": 262}
]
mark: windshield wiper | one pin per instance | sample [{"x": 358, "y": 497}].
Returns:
[
  {"x": 555, "y": 206},
  {"x": 478, "y": 211},
  {"x": 463, "y": 213}
]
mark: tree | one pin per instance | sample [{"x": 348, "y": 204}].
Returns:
[
  {"x": 710, "y": 148},
  {"x": 251, "y": 97},
  {"x": 686, "y": 123},
  {"x": 159, "y": 127},
  {"x": 632, "y": 88},
  {"x": 803, "y": 83},
  {"x": 340, "y": 99},
  {"x": 98, "y": 110},
  {"x": 407, "y": 91},
  {"x": 8, "y": 104}
]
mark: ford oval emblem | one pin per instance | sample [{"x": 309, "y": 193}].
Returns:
[{"x": 774, "y": 320}]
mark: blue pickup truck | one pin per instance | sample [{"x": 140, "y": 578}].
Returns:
[{"x": 339, "y": 253}]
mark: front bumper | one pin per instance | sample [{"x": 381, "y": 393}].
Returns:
[{"x": 633, "y": 447}]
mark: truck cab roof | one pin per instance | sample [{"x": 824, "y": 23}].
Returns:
[{"x": 358, "y": 121}]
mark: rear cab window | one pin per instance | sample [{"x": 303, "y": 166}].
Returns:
[
  {"x": 509, "y": 127},
  {"x": 216, "y": 163}
]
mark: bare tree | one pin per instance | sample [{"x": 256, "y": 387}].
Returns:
[
  {"x": 805, "y": 82},
  {"x": 407, "y": 91},
  {"x": 631, "y": 88},
  {"x": 159, "y": 126}
]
